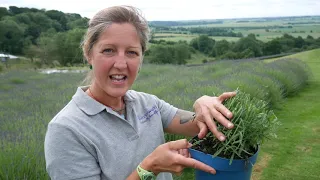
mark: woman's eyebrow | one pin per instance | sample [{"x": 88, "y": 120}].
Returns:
[{"x": 136, "y": 47}]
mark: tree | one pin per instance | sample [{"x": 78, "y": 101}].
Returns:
[
  {"x": 72, "y": 52},
  {"x": 194, "y": 43},
  {"x": 272, "y": 47},
  {"x": 83, "y": 23},
  {"x": 181, "y": 53},
  {"x": 31, "y": 52},
  {"x": 11, "y": 37},
  {"x": 41, "y": 20},
  {"x": 23, "y": 18},
  {"x": 249, "y": 42},
  {"x": 220, "y": 48},
  {"x": 309, "y": 37},
  {"x": 169, "y": 54},
  {"x": 299, "y": 42},
  {"x": 287, "y": 42},
  {"x": 310, "y": 40},
  {"x": 34, "y": 31},
  {"x": 57, "y": 26},
  {"x": 15, "y": 10},
  {"x": 248, "y": 53},
  {"x": 203, "y": 43},
  {"x": 160, "y": 54},
  {"x": 20, "y": 28},
  {"x": 47, "y": 48},
  {"x": 3, "y": 12},
  {"x": 59, "y": 17}
]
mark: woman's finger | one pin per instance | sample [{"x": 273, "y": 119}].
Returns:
[
  {"x": 184, "y": 152},
  {"x": 212, "y": 126},
  {"x": 226, "y": 95},
  {"x": 223, "y": 110},
  {"x": 220, "y": 117},
  {"x": 203, "y": 129},
  {"x": 178, "y": 144},
  {"x": 189, "y": 162}
]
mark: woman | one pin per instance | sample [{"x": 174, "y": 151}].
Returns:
[{"x": 110, "y": 132}]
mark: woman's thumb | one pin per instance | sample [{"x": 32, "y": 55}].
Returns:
[{"x": 179, "y": 144}]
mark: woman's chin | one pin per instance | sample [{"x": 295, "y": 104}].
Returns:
[{"x": 117, "y": 92}]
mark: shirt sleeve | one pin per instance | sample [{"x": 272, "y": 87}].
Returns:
[
  {"x": 66, "y": 156},
  {"x": 167, "y": 111}
]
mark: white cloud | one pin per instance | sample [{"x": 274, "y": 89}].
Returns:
[{"x": 181, "y": 9}]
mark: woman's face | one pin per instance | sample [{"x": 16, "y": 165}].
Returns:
[{"x": 116, "y": 58}]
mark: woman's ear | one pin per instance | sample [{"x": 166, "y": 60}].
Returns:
[
  {"x": 89, "y": 61},
  {"x": 88, "y": 58}
]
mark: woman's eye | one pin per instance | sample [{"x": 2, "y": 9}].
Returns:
[
  {"x": 108, "y": 51},
  {"x": 133, "y": 53}
]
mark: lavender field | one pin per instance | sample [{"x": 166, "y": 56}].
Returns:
[{"x": 29, "y": 99}]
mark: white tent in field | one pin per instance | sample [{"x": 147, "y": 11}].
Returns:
[{"x": 8, "y": 56}]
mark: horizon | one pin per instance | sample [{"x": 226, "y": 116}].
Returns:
[
  {"x": 262, "y": 17},
  {"x": 186, "y": 10},
  {"x": 271, "y": 17}
]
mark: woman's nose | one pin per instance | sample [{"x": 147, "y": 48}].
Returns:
[{"x": 120, "y": 61}]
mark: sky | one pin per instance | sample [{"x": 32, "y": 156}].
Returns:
[{"x": 171, "y": 10}]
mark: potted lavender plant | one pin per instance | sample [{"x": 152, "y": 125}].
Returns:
[{"x": 235, "y": 157}]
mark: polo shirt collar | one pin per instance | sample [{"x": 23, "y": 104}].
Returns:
[{"x": 89, "y": 105}]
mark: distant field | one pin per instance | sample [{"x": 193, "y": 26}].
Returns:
[
  {"x": 174, "y": 37},
  {"x": 188, "y": 37},
  {"x": 265, "y": 29},
  {"x": 297, "y": 30},
  {"x": 260, "y": 33},
  {"x": 263, "y": 22}
]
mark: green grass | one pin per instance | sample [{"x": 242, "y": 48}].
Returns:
[
  {"x": 296, "y": 152},
  {"x": 17, "y": 81}
]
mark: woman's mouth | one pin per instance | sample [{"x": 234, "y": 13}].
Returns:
[{"x": 118, "y": 78}]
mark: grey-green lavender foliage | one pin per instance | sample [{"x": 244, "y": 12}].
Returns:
[{"x": 253, "y": 123}]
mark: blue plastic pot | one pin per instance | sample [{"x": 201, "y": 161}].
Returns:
[{"x": 238, "y": 170}]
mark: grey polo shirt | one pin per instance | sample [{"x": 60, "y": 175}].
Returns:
[{"x": 88, "y": 140}]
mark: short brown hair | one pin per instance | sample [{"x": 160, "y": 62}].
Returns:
[{"x": 115, "y": 14}]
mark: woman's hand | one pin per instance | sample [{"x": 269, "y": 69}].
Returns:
[
  {"x": 208, "y": 109},
  {"x": 173, "y": 157}
]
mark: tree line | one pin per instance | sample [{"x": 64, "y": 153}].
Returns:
[
  {"x": 210, "y": 31},
  {"x": 52, "y": 37},
  {"x": 250, "y": 46},
  {"x": 37, "y": 33},
  {"x": 244, "y": 48}
]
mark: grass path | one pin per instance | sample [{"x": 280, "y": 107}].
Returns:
[{"x": 295, "y": 154}]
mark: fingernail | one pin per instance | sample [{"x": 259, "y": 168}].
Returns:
[
  {"x": 230, "y": 125},
  {"x": 212, "y": 172},
  {"x": 189, "y": 145},
  {"x": 222, "y": 138}
]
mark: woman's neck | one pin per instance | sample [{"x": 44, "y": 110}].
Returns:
[{"x": 115, "y": 103}]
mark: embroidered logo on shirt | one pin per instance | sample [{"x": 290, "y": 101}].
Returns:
[{"x": 150, "y": 112}]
